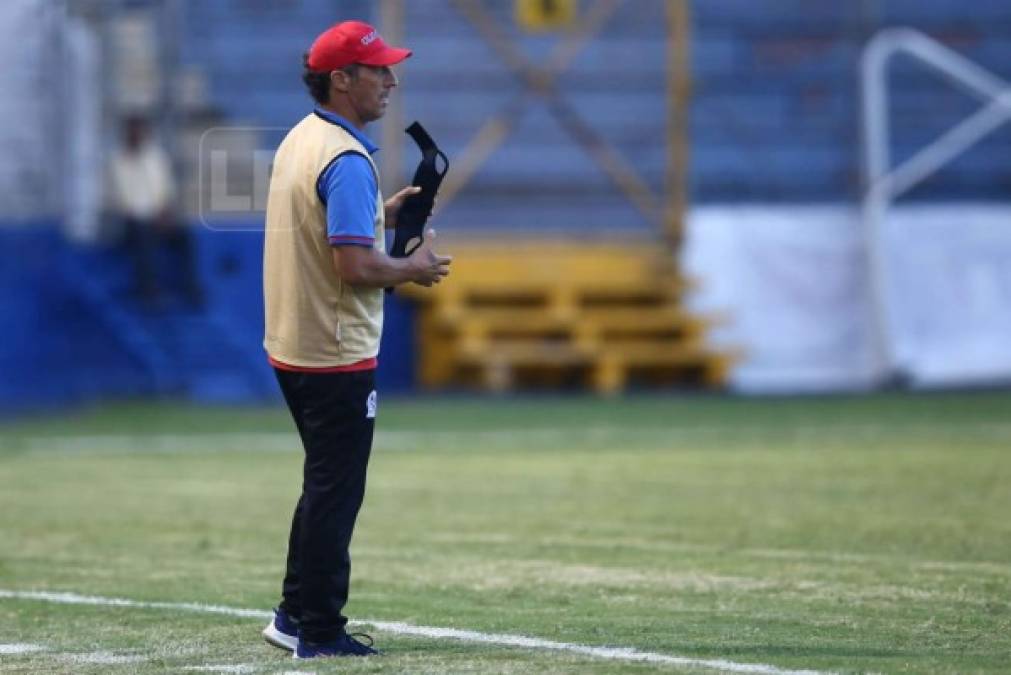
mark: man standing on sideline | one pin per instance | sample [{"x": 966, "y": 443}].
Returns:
[{"x": 324, "y": 270}]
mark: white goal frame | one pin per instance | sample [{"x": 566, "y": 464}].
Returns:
[{"x": 885, "y": 183}]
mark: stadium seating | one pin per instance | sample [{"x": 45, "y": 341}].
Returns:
[
  {"x": 774, "y": 117},
  {"x": 775, "y": 100}
]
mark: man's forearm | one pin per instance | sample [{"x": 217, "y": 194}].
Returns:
[{"x": 371, "y": 268}]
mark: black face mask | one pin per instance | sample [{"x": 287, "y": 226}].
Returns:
[{"x": 415, "y": 210}]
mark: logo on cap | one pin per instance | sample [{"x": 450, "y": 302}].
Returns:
[{"x": 352, "y": 42}]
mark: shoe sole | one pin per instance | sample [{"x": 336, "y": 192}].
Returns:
[
  {"x": 278, "y": 639},
  {"x": 294, "y": 655}
]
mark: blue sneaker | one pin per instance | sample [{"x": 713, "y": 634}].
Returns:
[
  {"x": 345, "y": 645},
  {"x": 282, "y": 631}
]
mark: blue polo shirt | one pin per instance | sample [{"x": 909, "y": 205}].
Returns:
[{"x": 349, "y": 189}]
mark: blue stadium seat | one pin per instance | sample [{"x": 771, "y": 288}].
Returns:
[{"x": 769, "y": 85}]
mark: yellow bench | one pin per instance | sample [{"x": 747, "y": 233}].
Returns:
[{"x": 511, "y": 312}]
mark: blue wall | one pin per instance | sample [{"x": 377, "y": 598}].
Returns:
[
  {"x": 54, "y": 351},
  {"x": 75, "y": 333}
]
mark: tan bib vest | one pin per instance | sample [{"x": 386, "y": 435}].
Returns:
[{"x": 313, "y": 319}]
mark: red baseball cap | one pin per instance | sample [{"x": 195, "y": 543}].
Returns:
[{"x": 352, "y": 42}]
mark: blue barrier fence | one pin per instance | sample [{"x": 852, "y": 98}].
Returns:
[{"x": 75, "y": 332}]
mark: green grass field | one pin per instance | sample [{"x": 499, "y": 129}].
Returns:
[{"x": 864, "y": 534}]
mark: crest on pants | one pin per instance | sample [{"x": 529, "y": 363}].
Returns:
[{"x": 370, "y": 406}]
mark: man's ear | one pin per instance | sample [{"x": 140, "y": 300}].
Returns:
[{"x": 339, "y": 80}]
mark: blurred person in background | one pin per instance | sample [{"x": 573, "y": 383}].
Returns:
[
  {"x": 142, "y": 194},
  {"x": 324, "y": 269}
]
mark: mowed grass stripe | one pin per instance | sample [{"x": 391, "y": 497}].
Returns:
[
  {"x": 587, "y": 438},
  {"x": 680, "y": 413}
]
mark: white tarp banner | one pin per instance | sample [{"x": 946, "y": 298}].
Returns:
[
  {"x": 794, "y": 285},
  {"x": 948, "y": 292}
]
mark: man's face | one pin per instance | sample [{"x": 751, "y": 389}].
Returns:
[{"x": 369, "y": 91}]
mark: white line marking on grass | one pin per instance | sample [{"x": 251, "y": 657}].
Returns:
[
  {"x": 20, "y": 648},
  {"x": 77, "y": 599},
  {"x": 400, "y": 628},
  {"x": 100, "y": 658},
  {"x": 608, "y": 653},
  {"x": 103, "y": 658},
  {"x": 225, "y": 668}
]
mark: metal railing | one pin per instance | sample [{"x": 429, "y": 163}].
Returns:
[
  {"x": 885, "y": 183},
  {"x": 540, "y": 81}
]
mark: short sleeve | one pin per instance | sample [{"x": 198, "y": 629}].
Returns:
[{"x": 348, "y": 189}]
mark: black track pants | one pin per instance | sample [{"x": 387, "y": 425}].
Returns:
[{"x": 335, "y": 416}]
